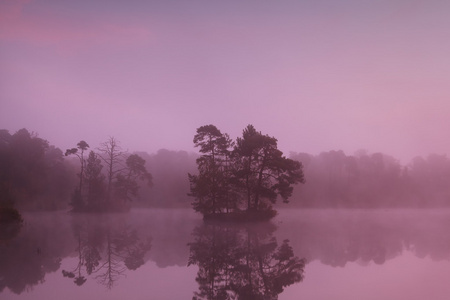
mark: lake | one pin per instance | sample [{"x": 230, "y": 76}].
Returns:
[{"x": 173, "y": 254}]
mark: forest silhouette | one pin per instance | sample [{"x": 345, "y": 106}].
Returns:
[{"x": 35, "y": 175}]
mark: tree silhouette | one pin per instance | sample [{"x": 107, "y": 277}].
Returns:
[
  {"x": 33, "y": 174},
  {"x": 95, "y": 182},
  {"x": 262, "y": 170},
  {"x": 127, "y": 184},
  {"x": 255, "y": 171},
  {"x": 113, "y": 157},
  {"x": 123, "y": 178},
  {"x": 243, "y": 262},
  {"x": 210, "y": 186},
  {"x": 77, "y": 202}
]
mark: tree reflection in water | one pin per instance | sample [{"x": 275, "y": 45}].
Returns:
[
  {"x": 242, "y": 261},
  {"x": 106, "y": 249},
  {"x": 91, "y": 246}
]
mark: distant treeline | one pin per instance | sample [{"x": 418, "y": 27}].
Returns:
[
  {"x": 36, "y": 175},
  {"x": 33, "y": 173},
  {"x": 365, "y": 180}
]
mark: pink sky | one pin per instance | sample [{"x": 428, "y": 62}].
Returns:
[{"x": 317, "y": 75}]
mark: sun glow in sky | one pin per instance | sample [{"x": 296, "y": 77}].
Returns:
[{"x": 318, "y": 75}]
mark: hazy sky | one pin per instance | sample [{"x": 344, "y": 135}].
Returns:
[{"x": 317, "y": 75}]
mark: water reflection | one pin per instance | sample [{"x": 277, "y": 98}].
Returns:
[
  {"x": 60, "y": 250},
  {"x": 242, "y": 262},
  {"x": 106, "y": 248},
  {"x": 34, "y": 252},
  {"x": 336, "y": 238}
]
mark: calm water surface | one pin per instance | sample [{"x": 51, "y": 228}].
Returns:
[{"x": 172, "y": 254}]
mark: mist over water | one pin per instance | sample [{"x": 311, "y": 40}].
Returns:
[
  {"x": 114, "y": 255},
  {"x": 131, "y": 233},
  {"x": 115, "y": 182}
]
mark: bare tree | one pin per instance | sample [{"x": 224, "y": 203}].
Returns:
[{"x": 113, "y": 156}]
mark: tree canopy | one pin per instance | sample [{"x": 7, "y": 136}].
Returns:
[
  {"x": 32, "y": 172},
  {"x": 249, "y": 174}
]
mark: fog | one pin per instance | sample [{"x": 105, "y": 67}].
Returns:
[
  {"x": 317, "y": 75},
  {"x": 354, "y": 215},
  {"x": 71, "y": 260},
  {"x": 123, "y": 123},
  {"x": 37, "y": 176}
]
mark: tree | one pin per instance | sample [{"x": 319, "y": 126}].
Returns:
[
  {"x": 127, "y": 182},
  {"x": 82, "y": 146},
  {"x": 209, "y": 187},
  {"x": 27, "y": 163},
  {"x": 33, "y": 174},
  {"x": 77, "y": 199},
  {"x": 255, "y": 171},
  {"x": 262, "y": 171},
  {"x": 113, "y": 157},
  {"x": 95, "y": 181}
]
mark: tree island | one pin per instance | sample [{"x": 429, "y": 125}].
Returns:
[{"x": 241, "y": 180}]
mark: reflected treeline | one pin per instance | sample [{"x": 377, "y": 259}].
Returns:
[
  {"x": 37, "y": 250},
  {"x": 100, "y": 248},
  {"x": 105, "y": 249},
  {"x": 366, "y": 236},
  {"x": 242, "y": 262}
]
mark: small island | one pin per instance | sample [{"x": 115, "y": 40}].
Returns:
[
  {"x": 114, "y": 192},
  {"x": 241, "y": 180}
]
